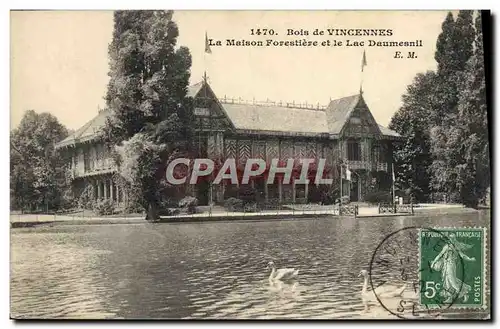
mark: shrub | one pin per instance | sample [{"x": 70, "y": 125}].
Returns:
[
  {"x": 66, "y": 200},
  {"x": 247, "y": 193},
  {"x": 326, "y": 194},
  {"x": 87, "y": 198},
  {"x": 379, "y": 197},
  {"x": 233, "y": 204},
  {"x": 189, "y": 203},
  {"x": 250, "y": 207},
  {"x": 132, "y": 207},
  {"x": 104, "y": 207},
  {"x": 168, "y": 208}
]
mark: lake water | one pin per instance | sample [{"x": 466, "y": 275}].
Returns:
[{"x": 204, "y": 270}]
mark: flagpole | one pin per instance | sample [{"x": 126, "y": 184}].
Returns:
[
  {"x": 205, "y": 58},
  {"x": 363, "y": 64}
]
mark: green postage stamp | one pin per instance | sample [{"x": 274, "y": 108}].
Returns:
[{"x": 452, "y": 267}]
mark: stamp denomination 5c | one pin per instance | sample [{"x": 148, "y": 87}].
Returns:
[{"x": 452, "y": 267}]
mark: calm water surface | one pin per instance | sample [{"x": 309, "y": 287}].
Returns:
[{"x": 205, "y": 270}]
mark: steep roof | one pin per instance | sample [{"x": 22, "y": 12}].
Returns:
[
  {"x": 88, "y": 131},
  {"x": 265, "y": 118},
  {"x": 388, "y": 132},
  {"x": 276, "y": 118},
  {"x": 193, "y": 90},
  {"x": 339, "y": 110}
]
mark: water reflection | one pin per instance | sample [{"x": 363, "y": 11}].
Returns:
[{"x": 206, "y": 270}]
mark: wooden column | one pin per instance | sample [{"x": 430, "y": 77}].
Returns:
[
  {"x": 306, "y": 188},
  {"x": 293, "y": 190},
  {"x": 99, "y": 190},
  {"x": 125, "y": 197},
  {"x": 280, "y": 191},
  {"x": 111, "y": 190},
  {"x": 117, "y": 193},
  {"x": 106, "y": 192},
  {"x": 266, "y": 191}
]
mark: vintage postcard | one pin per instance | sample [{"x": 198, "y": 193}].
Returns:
[{"x": 250, "y": 165}]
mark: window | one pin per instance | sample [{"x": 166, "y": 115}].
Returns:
[
  {"x": 353, "y": 151},
  {"x": 86, "y": 160},
  {"x": 376, "y": 153},
  {"x": 355, "y": 120}
]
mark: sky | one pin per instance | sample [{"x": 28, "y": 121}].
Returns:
[{"x": 59, "y": 59}]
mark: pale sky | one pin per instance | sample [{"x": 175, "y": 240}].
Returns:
[{"x": 59, "y": 61}]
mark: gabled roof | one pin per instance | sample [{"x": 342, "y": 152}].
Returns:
[
  {"x": 259, "y": 118},
  {"x": 338, "y": 112},
  {"x": 88, "y": 131},
  {"x": 193, "y": 90}
]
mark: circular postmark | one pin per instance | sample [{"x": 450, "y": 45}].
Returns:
[{"x": 401, "y": 269}]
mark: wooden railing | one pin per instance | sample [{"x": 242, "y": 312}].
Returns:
[
  {"x": 305, "y": 105},
  {"x": 382, "y": 166},
  {"x": 98, "y": 166},
  {"x": 359, "y": 165}
]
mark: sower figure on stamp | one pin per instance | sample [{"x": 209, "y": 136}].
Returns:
[{"x": 446, "y": 262}]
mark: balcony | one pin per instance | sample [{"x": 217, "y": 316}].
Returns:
[
  {"x": 99, "y": 167},
  {"x": 365, "y": 165},
  {"x": 104, "y": 164},
  {"x": 382, "y": 166},
  {"x": 357, "y": 165}
]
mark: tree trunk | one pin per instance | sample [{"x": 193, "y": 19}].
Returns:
[{"x": 152, "y": 213}]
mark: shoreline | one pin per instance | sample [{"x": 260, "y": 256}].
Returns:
[{"x": 30, "y": 221}]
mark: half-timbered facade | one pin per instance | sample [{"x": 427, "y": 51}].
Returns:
[{"x": 342, "y": 132}]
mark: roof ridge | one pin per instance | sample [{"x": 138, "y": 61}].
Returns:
[
  {"x": 344, "y": 97},
  {"x": 273, "y": 104}
]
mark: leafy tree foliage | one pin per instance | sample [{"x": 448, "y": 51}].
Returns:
[
  {"x": 460, "y": 142},
  {"x": 413, "y": 158},
  {"x": 147, "y": 94},
  {"x": 444, "y": 118},
  {"x": 472, "y": 118},
  {"x": 453, "y": 50},
  {"x": 38, "y": 176}
]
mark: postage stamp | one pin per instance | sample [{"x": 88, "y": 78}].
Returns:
[{"x": 452, "y": 267}]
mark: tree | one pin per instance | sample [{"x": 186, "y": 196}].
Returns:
[
  {"x": 453, "y": 50},
  {"x": 460, "y": 143},
  {"x": 38, "y": 174},
  {"x": 412, "y": 157},
  {"x": 454, "y": 47},
  {"x": 472, "y": 118},
  {"x": 147, "y": 94},
  {"x": 444, "y": 119}
]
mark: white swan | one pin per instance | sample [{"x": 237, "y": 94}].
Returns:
[
  {"x": 385, "y": 291},
  {"x": 282, "y": 274}
]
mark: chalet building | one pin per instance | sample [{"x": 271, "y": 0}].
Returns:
[{"x": 342, "y": 132}]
